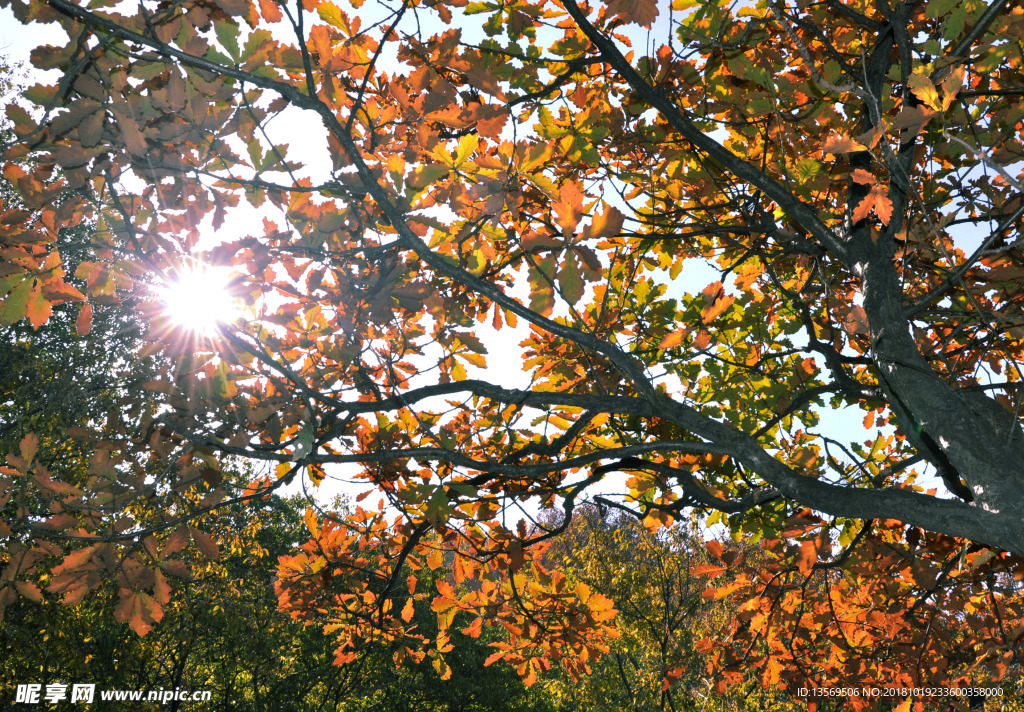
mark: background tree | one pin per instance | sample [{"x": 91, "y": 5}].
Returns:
[
  {"x": 709, "y": 238},
  {"x": 658, "y": 581}
]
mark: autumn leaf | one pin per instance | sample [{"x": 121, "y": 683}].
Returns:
[
  {"x": 140, "y": 610},
  {"x": 568, "y": 208},
  {"x": 863, "y": 177},
  {"x": 205, "y": 543},
  {"x": 839, "y": 143},
  {"x": 875, "y": 201},
  {"x": 473, "y": 629},
  {"x": 134, "y": 140},
  {"x": 408, "y": 611},
  {"x": 29, "y": 590},
  {"x": 855, "y": 320},
  {"x": 807, "y": 557},
  {"x": 922, "y": 88},
  {"x": 673, "y": 339},
  {"x": 38, "y": 307},
  {"x": 642, "y": 12},
  {"x": 83, "y": 323}
]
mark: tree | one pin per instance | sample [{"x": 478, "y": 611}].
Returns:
[
  {"x": 702, "y": 237},
  {"x": 657, "y": 579}
]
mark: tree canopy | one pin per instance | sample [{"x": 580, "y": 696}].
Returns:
[{"x": 504, "y": 252}]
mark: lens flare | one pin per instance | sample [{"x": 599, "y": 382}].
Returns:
[{"x": 199, "y": 299}]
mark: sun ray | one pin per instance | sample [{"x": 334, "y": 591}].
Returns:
[{"x": 198, "y": 298}]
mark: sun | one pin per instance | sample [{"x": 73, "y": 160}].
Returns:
[{"x": 199, "y": 299}]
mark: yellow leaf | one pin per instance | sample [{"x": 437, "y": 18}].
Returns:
[
  {"x": 922, "y": 87},
  {"x": 467, "y": 145}
]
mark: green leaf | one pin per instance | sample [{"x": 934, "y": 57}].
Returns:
[
  {"x": 938, "y": 8},
  {"x": 15, "y": 305},
  {"x": 476, "y": 8},
  {"x": 227, "y": 35}
]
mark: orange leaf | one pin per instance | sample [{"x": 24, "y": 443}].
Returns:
[
  {"x": 161, "y": 589},
  {"x": 863, "y": 177},
  {"x": 61, "y": 291},
  {"x": 139, "y": 610},
  {"x": 83, "y": 324},
  {"x": 807, "y": 557},
  {"x": 723, "y": 591},
  {"x": 707, "y": 570},
  {"x": 270, "y": 11},
  {"x": 473, "y": 629},
  {"x": 29, "y": 591},
  {"x": 568, "y": 208},
  {"x": 494, "y": 657},
  {"x": 839, "y": 143},
  {"x": 716, "y": 309},
  {"x": 876, "y": 200},
  {"x": 407, "y": 610},
  {"x": 75, "y": 559},
  {"x": 38, "y": 307},
  {"x": 446, "y": 590},
  {"x": 673, "y": 339}
]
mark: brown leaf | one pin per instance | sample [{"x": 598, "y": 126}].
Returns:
[
  {"x": 60, "y": 291},
  {"x": 642, "y": 12},
  {"x": 75, "y": 560},
  {"x": 28, "y": 447},
  {"x": 90, "y": 131},
  {"x": 139, "y": 610},
  {"x": 161, "y": 589},
  {"x": 855, "y": 320},
  {"x": 134, "y": 141},
  {"x": 234, "y": 7},
  {"x": 205, "y": 543}
]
